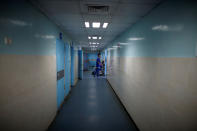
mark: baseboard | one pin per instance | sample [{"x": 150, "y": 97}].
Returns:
[{"x": 123, "y": 105}]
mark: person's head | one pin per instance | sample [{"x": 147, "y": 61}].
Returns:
[{"x": 99, "y": 55}]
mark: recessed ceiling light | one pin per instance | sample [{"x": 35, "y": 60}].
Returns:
[
  {"x": 105, "y": 25},
  {"x": 100, "y": 37},
  {"x": 89, "y": 37},
  {"x": 94, "y": 43},
  {"x": 97, "y": 43},
  {"x": 94, "y": 37},
  {"x": 96, "y": 24},
  {"x": 87, "y": 24}
]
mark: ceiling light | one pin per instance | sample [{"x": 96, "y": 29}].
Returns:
[
  {"x": 98, "y": 43},
  {"x": 94, "y": 37},
  {"x": 100, "y": 37},
  {"x": 87, "y": 24},
  {"x": 105, "y": 25},
  {"x": 94, "y": 43},
  {"x": 89, "y": 37},
  {"x": 96, "y": 24}
]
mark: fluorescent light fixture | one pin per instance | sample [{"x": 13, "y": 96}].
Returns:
[
  {"x": 89, "y": 37},
  {"x": 94, "y": 43},
  {"x": 105, "y": 25},
  {"x": 94, "y": 37},
  {"x": 100, "y": 37},
  {"x": 87, "y": 24},
  {"x": 136, "y": 38},
  {"x": 97, "y": 43},
  {"x": 96, "y": 24}
]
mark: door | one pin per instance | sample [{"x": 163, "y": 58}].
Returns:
[
  {"x": 60, "y": 72},
  {"x": 67, "y": 69}
]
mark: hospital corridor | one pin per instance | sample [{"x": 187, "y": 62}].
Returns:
[{"x": 98, "y": 65}]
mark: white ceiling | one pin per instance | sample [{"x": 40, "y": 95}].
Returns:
[{"x": 70, "y": 15}]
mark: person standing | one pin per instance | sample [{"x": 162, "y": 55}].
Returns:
[{"x": 98, "y": 65}]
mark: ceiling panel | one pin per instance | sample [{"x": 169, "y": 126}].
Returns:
[{"x": 70, "y": 15}]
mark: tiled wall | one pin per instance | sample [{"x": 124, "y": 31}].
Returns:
[
  {"x": 153, "y": 68},
  {"x": 28, "y": 98}
]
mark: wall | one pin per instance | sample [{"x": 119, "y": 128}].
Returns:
[
  {"x": 27, "y": 68},
  {"x": 80, "y": 64},
  {"x": 153, "y": 68},
  {"x": 76, "y": 60},
  {"x": 74, "y": 65}
]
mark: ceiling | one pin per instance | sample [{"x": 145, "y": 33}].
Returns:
[{"x": 70, "y": 16}]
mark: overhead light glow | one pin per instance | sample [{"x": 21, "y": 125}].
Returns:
[
  {"x": 89, "y": 37},
  {"x": 94, "y": 37},
  {"x": 96, "y": 24},
  {"x": 116, "y": 46},
  {"x": 100, "y": 37},
  {"x": 123, "y": 43},
  {"x": 168, "y": 28},
  {"x": 94, "y": 43},
  {"x": 87, "y": 24},
  {"x": 136, "y": 38},
  {"x": 98, "y": 43},
  {"x": 105, "y": 25}
]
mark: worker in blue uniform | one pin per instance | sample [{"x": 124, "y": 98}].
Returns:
[{"x": 98, "y": 65}]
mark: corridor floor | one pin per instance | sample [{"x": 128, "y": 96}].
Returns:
[{"x": 92, "y": 106}]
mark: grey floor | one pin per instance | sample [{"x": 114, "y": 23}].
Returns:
[{"x": 92, "y": 106}]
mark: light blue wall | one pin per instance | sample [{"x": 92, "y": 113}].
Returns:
[
  {"x": 155, "y": 73},
  {"x": 80, "y": 54},
  {"x": 170, "y": 33},
  {"x": 31, "y": 58},
  {"x": 72, "y": 66},
  {"x": 67, "y": 69},
  {"x": 30, "y": 31},
  {"x": 60, "y": 54}
]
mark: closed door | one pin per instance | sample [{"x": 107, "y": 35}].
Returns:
[
  {"x": 67, "y": 69},
  {"x": 60, "y": 72}
]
